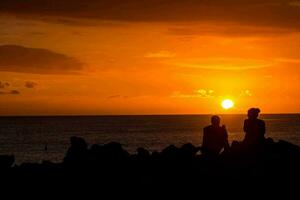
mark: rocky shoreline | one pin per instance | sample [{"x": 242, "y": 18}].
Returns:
[{"x": 109, "y": 164}]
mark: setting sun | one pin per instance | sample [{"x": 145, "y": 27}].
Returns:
[{"x": 227, "y": 104}]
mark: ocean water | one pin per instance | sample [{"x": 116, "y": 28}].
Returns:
[{"x": 26, "y": 137}]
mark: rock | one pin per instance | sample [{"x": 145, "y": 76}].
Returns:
[{"x": 6, "y": 161}]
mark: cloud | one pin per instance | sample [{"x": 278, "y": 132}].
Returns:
[
  {"x": 288, "y": 60},
  {"x": 15, "y": 58},
  {"x": 229, "y": 64},
  {"x": 4, "y": 89},
  {"x": 220, "y": 63},
  {"x": 229, "y": 30},
  {"x": 246, "y": 93},
  {"x": 283, "y": 13},
  {"x": 12, "y": 92},
  {"x": 30, "y": 84},
  {"x": 4, "y": 85},
  {"x": 201, "y": 93},
  {"x": 116, "y": 96},
  {"x": 205, "y": 93},
  {"x": 160, "y": 54}
]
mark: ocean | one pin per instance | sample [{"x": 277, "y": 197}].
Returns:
[{"x": 26, "y": 137}]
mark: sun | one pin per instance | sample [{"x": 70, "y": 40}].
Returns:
[{"x": 227, "y": 104}]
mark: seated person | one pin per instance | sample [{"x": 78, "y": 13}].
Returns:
[
  {"x": 215, "y": 138},
  {"x": 254, "y": 128}
]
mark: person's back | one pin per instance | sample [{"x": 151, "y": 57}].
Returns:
[
  {"x": 254, "y": 128},
  {"x": 215, "y": 138}
]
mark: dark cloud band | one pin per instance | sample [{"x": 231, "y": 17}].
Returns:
[
  {"x": 14, "y": 58},
  {"x": 284, "y": 13}
]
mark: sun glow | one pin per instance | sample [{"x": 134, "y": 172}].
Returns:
[{"x": 227, "y": 104}]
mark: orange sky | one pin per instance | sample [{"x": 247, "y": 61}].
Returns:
[{"x": 149, "y": 63}]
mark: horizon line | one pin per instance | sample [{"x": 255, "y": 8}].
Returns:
[{"x": 112, "y": 115}]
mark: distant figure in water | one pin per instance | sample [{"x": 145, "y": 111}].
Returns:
[
  {"x": 215, "y": 138},
  {"x": 255, "y": 129}
]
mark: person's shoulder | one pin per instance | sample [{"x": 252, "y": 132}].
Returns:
[
  {"x": 207, "y": 128},
  {"x": 223, "y": 128},
  {"x": 261, "y": 121}
]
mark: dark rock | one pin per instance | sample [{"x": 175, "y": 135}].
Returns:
[
  {"x": 6, "y": 161},
  {"x": 143, "y": 153}
]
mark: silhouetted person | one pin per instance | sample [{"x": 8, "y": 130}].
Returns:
[
  {"x": 215, "y": 138},
  {"x": 77, "y": 152},
  {"x": 255, "y": 129}
]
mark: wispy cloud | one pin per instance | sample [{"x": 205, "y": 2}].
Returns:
[
  {"x": 209, "y": 93},
  {"x": 288, "y": 60},
  {"x": 246, "y": 93},
  {"x": 161, "y": 54},
  {"x": 117, "y": 96},
  {"x": 221, "y": 63},
  {"x": 227, "y": 29},
  {"x": 201, "y": 93}
]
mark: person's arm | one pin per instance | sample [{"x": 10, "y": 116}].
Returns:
[
  {"x": 204, "y": 141},
  {"x": 226, "y": 143},
  {"x": 263, "y": 127},
  {"x": 245, "y": 126}
]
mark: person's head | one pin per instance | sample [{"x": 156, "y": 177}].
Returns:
[
  {"x": 253, "y": 113},
  {"x": 215, "y": 120}
]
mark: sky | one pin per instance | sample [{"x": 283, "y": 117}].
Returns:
[{"x": 100, "y": 57}]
